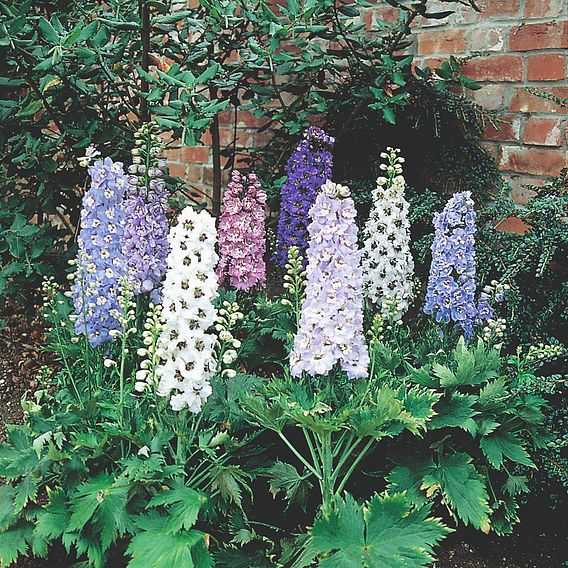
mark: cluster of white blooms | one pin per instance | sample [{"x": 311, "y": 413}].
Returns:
[
  {"x": 540, "y": 353},
  {"x": 227, "y": 319},
  {"x": 387, "y": 261},
  {"x": 494, "y": 331},
  {"x": 146, "y": 375},
  {"x": 187, "y": 312}
]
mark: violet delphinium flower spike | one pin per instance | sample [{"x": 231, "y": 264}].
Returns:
[
  {"x": 145, "y": 244},
  {"x": 331, "y": 320},
  {"x": 242, "y": 242},
  {"x": 307, "y": 169},
  {"x": 451, "y": 289},
  {"x": 100, "y": 263}
]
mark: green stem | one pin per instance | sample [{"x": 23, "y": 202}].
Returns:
[
  {"x": 355, "y": 463},
  {"x": 299, "y": 455}
]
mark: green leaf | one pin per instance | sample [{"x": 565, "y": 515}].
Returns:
[
  {"x": 13, "y": 544},
  {"x": 286, "y": 478},
  {"x": 48, "y": 32},
  {"x": 86, "y": 500},
  {"x": 7, "y": 513},
  {"x": 501, "y": 445},
  {"x": 54, "y": 517},
  {"x": 407, "y": 477},
  {"x": 229, "y": 480},
  {"x": 156, "y": 547},
  {"x": 516, "y": 484},
  {"x": 25, "y": 491},
  {"x": 455, "y": 411},
  {"x": 385, "y": 532},
  {"x": 183, "y": 504},
  {"x": 29, "y": 110},
  {"x": 462, "y": 489}
]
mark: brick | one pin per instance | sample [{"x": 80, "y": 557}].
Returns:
[
  {"x": 441, "y": 41},
  {"x": 519, "y": 190},
  {"x": 544, "y": 8},
  {"x": 498, "y": 68},
  {"x": 537, "y": 161},
  {"x": 226, "y": 117},
  {"x": 491, "y": 97},
  {"x": 523, "y": 101},
  {"x": 246, "y": 118},
  {"x": 501, "y": 9},
  {"x": 485, "y": 39},
  {"x": 493, "y": 149},
  {"x": 177, "y": 170},
  {"x": 543, "y": 131},
  {"x": 513, "y": 225},
  {"x": 193, "y": 174},
  {"x": 384, "y": 13},
  {"x": 546, "y": 67},
  {"x": 507, "y": 131},
  {"x": 198, "y": 154},
  {"x": 550, "y": 35}
]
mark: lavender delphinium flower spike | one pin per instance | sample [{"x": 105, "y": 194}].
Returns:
[
  {"x": 331, "y": 320},
  {"x": 100, "y": 263},
  {"x": 145, "y": 244},
  {"x": 451, "y": 284},
  {"x": 307, "y": 169},
  {"x": 242, "y": 242}
]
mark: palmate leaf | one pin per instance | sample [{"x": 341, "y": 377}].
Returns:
[
  {"x": 52, "y": 522},
  {"x": 500, "y": 445},
  {"x": 418, "y": 404},
  {"x": 157, "y": 547},
  {"x": 183, "y": 505},
  {"x": 286, "y": 478},
  {"x": 455, "y": 477},
  {"x": 455, "y": 411},
  {"x": 102, "y": 504},
  {"x": 462, "y": 488},
  {"x": 385, "y": 532},
  {"x": 230, "y": 481},
  {"x": 13, "y": 544}
]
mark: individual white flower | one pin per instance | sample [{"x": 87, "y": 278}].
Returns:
[
  {"x": 387, "y": 262},
  {"x": 190, "y": 285}
]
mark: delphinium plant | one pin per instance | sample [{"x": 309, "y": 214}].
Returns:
[
  {"x": 242, "y": 235},
  {"x": 190, "y": 287},
  {"x": 102, "y": 467},
  {"x": 307, "y": 169},
  {"x": 100, "y": 263},
  {"x": 145, "y": 244},
  {"x": 452, "y": 280},
  {"x": 387, "y": 261}
]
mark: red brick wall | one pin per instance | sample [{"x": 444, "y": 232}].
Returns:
[{"x": 525, "y": 44}]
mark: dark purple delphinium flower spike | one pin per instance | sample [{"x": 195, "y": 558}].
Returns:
[
  {"x": 451, "y": 284},
  {"x": 100, "y": 263},
  {"x": 308, "y": 168},
  {"x": 145, "y": 244}
]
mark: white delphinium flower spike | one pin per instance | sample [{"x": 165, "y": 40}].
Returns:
[
  {"x": 186, "y": 349},
  {"x": 387, "y": 261}
]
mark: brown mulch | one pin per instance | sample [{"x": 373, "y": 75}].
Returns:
[{"x": 21, "y": 338}]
